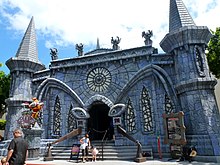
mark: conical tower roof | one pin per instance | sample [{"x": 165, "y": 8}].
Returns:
[
  {"x": 182, "y": 29},
  {"x": 28, "y": 46},
  {"x": 179, "y": 15},
  {"x": 26, "y": 58},
  {"x": 97, "y": 45}
]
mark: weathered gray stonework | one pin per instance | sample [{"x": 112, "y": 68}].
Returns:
[
  {"x": 33, "y": 137},
  {"x": 135, "y": 86}
]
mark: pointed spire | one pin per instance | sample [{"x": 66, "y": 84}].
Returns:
[
  {"x": 179, "y": 15},
  {"x": 97, "y": 45},
  {"x": 28, "y": 46}
]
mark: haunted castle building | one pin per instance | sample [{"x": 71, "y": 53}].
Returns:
[{"x": 133, "y": 87}]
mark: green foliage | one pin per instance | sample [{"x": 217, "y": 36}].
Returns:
[
  {"x": 4, "y": 91},
  {"x": 213, "y": 55},
  {"x": 2, "y": 124}
]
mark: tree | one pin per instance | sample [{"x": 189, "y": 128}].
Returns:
[
  {"x": 213, "y": 55},
  {"x": 4, "y": 90}
]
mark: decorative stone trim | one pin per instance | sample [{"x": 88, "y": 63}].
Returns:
[
  {"x": 116, "y": 110},
  {"x": 98, "y": 98},
  {"x": 16, "y": 64},
  {"x": 185, "y": 35},
  {"x": 196, "y": 84},
  {"x": 104, "y": 57},
  {"x": 146, "y": 71},
  {"x": 80, "y": 113},
  {"x": 51, "y": 82}
]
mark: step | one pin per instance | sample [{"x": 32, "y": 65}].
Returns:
[
  {"x": 4, "y": 147},
  {"x": 110, "y": 152}
]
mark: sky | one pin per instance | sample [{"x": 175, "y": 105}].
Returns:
[{"x": 64, "y": 23}]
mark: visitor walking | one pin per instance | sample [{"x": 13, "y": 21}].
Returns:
[
  {"x": 85, "y": 143},
  {"x": 17, "y": 150}
]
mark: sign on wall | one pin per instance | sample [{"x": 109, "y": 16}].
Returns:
[{"x": 174, "y": 128}]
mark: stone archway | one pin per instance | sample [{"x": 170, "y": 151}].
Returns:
[{"x": 99, "y": 121}]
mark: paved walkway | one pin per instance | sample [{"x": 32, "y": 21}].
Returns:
[{"x": 148, "y": 162}]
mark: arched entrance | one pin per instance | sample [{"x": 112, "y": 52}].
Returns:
[{"x": 99, "y": 122}]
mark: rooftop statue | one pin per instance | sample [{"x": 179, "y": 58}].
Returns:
[
  {"x": 115, "y": 43},
  {"x": 79, "y": 47},
  {"x": 147, "y": 35},
  {"x": 54, "y": 53}
]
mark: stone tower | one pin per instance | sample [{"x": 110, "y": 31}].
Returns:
[
  {"x": 22, "y": 67},
  {"x": 194, "y": 84}
]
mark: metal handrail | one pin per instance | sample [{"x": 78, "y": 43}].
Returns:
[
  {"x": 139, "y": 156},
  {"x": 103, "y": 144},
  {"x": 48, "y": 155}
]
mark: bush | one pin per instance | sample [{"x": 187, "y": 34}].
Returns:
[{"x": 2, "y": 124}]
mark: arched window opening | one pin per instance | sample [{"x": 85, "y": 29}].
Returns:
[
  {"x": 199, "y": 60},
  {"x": 198, "y": 55},
  {"x": 168, "y": 105},
  {"x": 146, "y": 110},
  {"x": 71, "y": 120},
  {"x": 130, "y": 117},
  {"x": 57, "y": 117}
]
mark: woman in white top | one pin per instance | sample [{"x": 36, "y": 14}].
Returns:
[{"x": 85, "y": 143}]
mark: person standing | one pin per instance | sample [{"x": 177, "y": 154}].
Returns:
[
  {"x": 94, "y": 153},
  {"x": 17, "y": 150},
  {"x": 85, "y": 143}
]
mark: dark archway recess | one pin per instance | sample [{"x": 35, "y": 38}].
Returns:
[{"x": 99, "y": 122}]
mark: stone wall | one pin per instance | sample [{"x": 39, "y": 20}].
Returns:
[{"x": 217, "y": 93}]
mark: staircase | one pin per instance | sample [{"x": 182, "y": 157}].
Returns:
[
  {"x": 110, "y": 152},
  {"x": 4, "y": 147}
]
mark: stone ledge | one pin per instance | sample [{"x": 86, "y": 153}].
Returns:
[
  {"x": 196, "y": 84},
  {"x": 185, "y": 35}
]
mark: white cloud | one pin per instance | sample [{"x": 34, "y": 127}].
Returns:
[
  {"x": 70, "y": 22},
  {"x": 209, "y": 17}
]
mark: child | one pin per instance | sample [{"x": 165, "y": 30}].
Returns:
[
  {"x": 3, "y": 161},
  {"x": 94, "y": 153}
]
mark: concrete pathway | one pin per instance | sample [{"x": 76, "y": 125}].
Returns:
[{"x": 148, "y": 162}]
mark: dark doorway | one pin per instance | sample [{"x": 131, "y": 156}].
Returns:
[{"x": 99, "y": 122}]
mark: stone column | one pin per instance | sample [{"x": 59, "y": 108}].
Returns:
[
  {"x": 33, "y": 137},
  {"x": 14, "y": 113}
]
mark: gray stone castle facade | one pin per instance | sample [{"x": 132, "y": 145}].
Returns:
[{"x": 134, "y": 87}]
